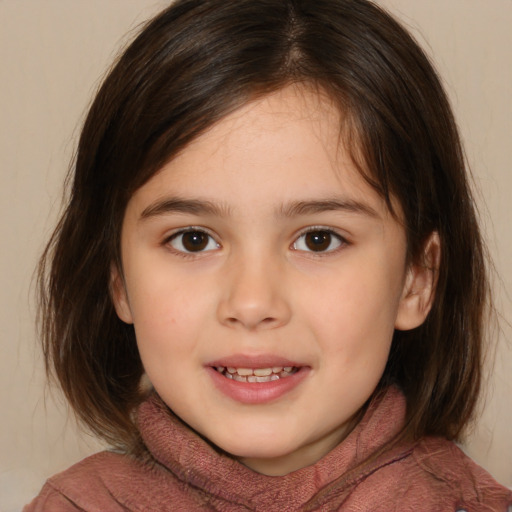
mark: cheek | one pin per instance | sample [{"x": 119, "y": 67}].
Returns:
[
  {"x": 168, "y": 312},
  {"x": 354, "y": 312}
]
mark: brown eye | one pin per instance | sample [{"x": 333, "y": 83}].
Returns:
[
  {"x": 193, "y": 241},
  {"x": 318, "y": 241}
]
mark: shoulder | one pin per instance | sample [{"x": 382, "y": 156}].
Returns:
[
  {"x": 431, "y": 475},
  {"x": 115, "y": 482},
  {"x": 447, "y": 467},
  {"x": 101, "y": 482}
]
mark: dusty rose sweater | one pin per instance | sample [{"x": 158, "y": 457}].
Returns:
[{"x": 184, "y": 473}]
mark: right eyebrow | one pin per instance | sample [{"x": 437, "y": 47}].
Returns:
[{"x": 178, "y": 205}]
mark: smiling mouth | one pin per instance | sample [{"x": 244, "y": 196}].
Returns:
[{"x": 257, "y": 375}]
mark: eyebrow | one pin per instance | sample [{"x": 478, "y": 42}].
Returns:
[
  {"x": 190, "y": 206},
  {"x": 292, "y": 209},
  {"x": 335, "y": 204}
]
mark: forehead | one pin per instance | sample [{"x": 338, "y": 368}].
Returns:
[{"x": 284, "y": 146}]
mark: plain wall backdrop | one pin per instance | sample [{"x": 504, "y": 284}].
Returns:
[{"x": 53, "y": 54}]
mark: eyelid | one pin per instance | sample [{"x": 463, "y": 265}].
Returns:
[
  {"x": 186, "y": 229},
  {"x": 312, "y": 229},
  {"x": 189, "y": 229}
]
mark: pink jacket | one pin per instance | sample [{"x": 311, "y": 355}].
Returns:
[{"x": 182, "y": 472}]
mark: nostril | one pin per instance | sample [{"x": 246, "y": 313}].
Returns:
[
  {"x": 253, "y": 309},
  {"x": 252, "y": 323},
  {"x": 267, "y": 320}
]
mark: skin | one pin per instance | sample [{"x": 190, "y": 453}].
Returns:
[{"x": 259, "y": 179}]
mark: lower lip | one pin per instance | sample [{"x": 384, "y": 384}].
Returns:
[{"x": 257, "y": 392}]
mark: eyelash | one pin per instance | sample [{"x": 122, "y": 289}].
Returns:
[
  {"x": 333, "y": 236},
  {"x": 189, "y": 230}
]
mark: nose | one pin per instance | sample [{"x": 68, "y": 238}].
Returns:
[{"x": 254, "y": 295}]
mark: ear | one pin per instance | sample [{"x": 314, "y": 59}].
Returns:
[
  {"x": 420, "y": 286},
  {"x": 119, "y": 295}
]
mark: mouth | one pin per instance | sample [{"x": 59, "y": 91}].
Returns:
[
  {"x": 256, "y": 380},
  {"x": 257, "y": 375}
]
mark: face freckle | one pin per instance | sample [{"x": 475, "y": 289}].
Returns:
[{"x": 314, "y": 326}]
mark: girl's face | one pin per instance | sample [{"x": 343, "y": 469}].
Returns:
[{"x": 265, "y": 278}]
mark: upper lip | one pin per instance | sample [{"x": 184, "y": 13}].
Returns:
[{"x": 253, "y": 361}]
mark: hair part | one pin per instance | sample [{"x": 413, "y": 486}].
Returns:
[{"x": 193, "y": 64}]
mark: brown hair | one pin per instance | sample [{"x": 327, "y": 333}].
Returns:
[{"x": 189, "y": 67}]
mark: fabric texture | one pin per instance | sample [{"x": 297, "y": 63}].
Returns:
[{"x": 182, "y": 472}]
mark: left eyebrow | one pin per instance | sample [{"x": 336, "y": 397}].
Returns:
[{"x": 310, "y": 207}]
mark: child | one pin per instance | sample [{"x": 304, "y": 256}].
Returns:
[{"x": 270, "y": 223}]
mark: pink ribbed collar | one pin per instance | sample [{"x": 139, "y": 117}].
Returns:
[{"x": 198, "y": 464}]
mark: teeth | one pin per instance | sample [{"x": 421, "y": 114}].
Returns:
[
  {"x": 244, "y": 372},
  {"x": 263, "y": 372},
  {"x": 254, "y": 375},
  {"x": 254, "y": 378}
]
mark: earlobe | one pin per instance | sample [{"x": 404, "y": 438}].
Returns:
[
  {"x": 119, "y": 295},
  {"x": 420, "y": 286}
]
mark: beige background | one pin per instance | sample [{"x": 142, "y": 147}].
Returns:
[{"x": 52, "y": 55}]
